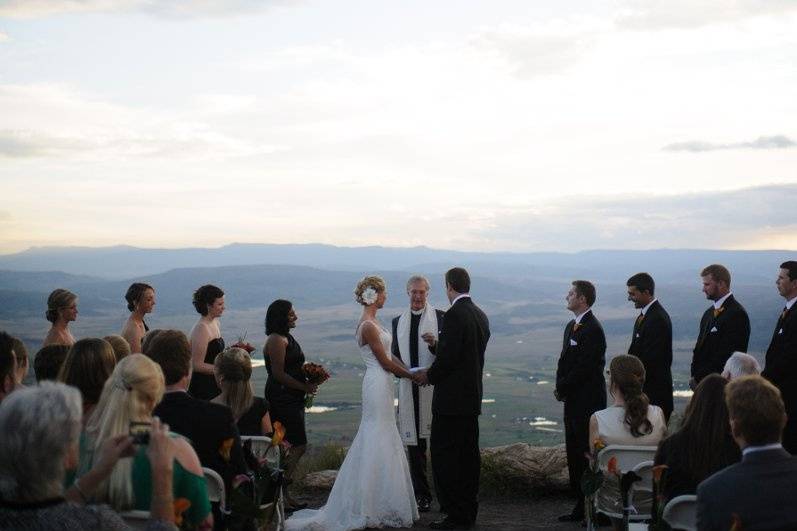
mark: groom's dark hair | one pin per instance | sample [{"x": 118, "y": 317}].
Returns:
[{"x": 458, "y": 279}]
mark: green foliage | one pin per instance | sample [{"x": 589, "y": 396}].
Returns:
[
  {"x": 325, "y": 457},
  {"x": 499, "y": 480}
]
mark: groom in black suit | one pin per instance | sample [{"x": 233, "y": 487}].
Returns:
[
  {"x": 781, "y": 360},
  {"x": 724, "y": 328},
  {"x": 651, "y": 341},
  {"x": 580, "y": 384},
  {"x": 456, "y": 404}
]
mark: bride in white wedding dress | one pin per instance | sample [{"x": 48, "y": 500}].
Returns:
[{"x": 373, "y": 487}]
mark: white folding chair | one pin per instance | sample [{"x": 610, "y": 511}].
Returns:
[
  {"x": 261, "y": 447},
  {"x": 629, "y": 458},
  {"x": 215, "y": 486},
  {"x": 681, "y": 512},
  {"x": 135, "y": 519}
]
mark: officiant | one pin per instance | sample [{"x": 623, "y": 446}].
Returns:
[{"x": 415, "y": 335}]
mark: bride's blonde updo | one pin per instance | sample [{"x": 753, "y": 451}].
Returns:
[{"x": 377, "y": 283}]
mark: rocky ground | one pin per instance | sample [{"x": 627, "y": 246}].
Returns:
[{"x": 495, "y": 513}]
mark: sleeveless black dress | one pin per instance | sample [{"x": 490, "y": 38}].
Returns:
[
  {"x": 287, "y": 404},
  {"x": 204, "y": 385}
]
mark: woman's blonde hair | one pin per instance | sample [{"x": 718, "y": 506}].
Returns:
[
  {"x": 120, "y": 346},
  {"x": 375, "y": 282},
  {"x": 628, "y": 375},
  {"x": 130, "y": 395},
  {"x": 233, "y": 373},
  {"x": 88, "y": 365}
]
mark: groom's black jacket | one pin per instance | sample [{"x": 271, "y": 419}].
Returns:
[{"x": 457, "y": 370}]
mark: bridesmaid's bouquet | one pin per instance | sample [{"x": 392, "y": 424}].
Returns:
[
  {"x": 241, "y": 343},
  {"x": 315, "y": 374}
]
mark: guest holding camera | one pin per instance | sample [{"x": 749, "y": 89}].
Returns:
[
  {"x": 129, "y": 397},
  {"x": 206, "y": 341},
  {"x": 61, "y": 310},
  {"x": 45, "y": 422}
]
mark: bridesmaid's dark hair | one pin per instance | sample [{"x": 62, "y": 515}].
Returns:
[
  {"x": 135, "y": 292},
  {"x": 277, "y": 317},
  {"x": 205, "y": 296}
]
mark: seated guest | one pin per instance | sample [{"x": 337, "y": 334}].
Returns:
[
  {"x": 87, "y": 366},
  {"x": 47, "y": 362},
  {"x": 758, "y": 492},
  {"x": 21, "y": 354},
  {"x": 631, "y": 420},
  {"x": 148, "y": 337},
  {"x": 740, "y": 364},
  {"x": 129, "y": 396},
  {"x": 61, "y": 310},
  {"x": 45, "y": 421},
  {"x": 210, "y": 427},
  {"x": 233, "y": 373},
  {"x": 8, "y": 365},
  {"x": 120, "y": 346},
  {"x": 703, "y": 445}
]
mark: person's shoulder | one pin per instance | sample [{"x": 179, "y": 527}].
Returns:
[{"x": 720, "y": 481}]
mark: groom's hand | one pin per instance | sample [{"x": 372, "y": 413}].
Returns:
[{"x": 420, "y": 377}]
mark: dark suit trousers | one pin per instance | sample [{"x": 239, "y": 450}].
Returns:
[
  {"x": 576, "y": 443},
  {"x": 456, "y": 464}
]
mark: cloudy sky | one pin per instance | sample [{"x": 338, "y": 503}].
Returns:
[{"x": 474, "y": 125}]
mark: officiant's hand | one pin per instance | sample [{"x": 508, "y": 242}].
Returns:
[
  {"x": 420, "y": 377},
  {"x": 429, "y": 338}
]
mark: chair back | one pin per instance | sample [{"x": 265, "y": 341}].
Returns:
[
  {"x": 681, "y": 512},
  {"x": 638, "y": 459},
  {"x": 262, "y": 449},
  {"x": 215, "y": 486},
  {"x": 136, "y": 519}
]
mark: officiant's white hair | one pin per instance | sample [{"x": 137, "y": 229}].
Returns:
[{"x": 418, "y": 278}]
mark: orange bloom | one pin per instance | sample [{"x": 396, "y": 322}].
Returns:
[
  {"x": 181, "y": 505},
  {"x": 225, "y": 448},
  {"x": 612, "y": 466},
  {"x": 279, "y": 433},
  {"x": 658, "y": 470},
  {"x": 598, "y": 444}
]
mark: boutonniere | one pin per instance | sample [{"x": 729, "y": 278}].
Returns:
[
  {"x": 181, "y": 505},
  {"x": 577, "y": 326},
  {"x": 718, "y": 311}
]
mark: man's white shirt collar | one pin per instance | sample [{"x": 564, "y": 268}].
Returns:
[
  {"x": 764, "y": 448},
  {"x": 581, "y": 316},
  {"x": 645, "y": 309},
  {"x": 463, "y": 295},
  {"x": 718, "y": 303},
  {"x": 790, "y": 303}
]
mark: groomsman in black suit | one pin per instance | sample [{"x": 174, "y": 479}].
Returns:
[
  {"x": 724, "y": 328},
  {"x": 651, "y": 341},
  {"x": 759, "y": 492},
  {"x": 580, "y": 384},
  {"x": 456, "y": 374},
  {"x": 781, "y": 359}
]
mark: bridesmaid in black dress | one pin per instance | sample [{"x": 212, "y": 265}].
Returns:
[
  {"x": 286, "y": 385},
  {"x": 206, "y": 341}
]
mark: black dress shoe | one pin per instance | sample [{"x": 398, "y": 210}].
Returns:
[
  {"x": 448, "y": 523},
  {"x": 424, "y": 505}
]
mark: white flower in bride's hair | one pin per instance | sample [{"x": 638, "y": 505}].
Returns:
[{"x": 369, "y": 295}]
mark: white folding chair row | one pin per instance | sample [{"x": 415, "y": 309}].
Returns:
[
  {"x": 216, "y": 490},
  {"x": 681, "y": 512},
  {"x": 261, "y": 447},
  {"x": 135, "y": 519}
]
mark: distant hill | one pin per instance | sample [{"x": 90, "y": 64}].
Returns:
[{"x": 122, "y": 262}]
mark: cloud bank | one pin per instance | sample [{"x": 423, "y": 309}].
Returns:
[
  {"x": 762, "y": 142},
  {"x": 165, "y": 8}
]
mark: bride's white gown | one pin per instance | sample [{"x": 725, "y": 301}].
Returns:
[{"x": 373, "y": 486}]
